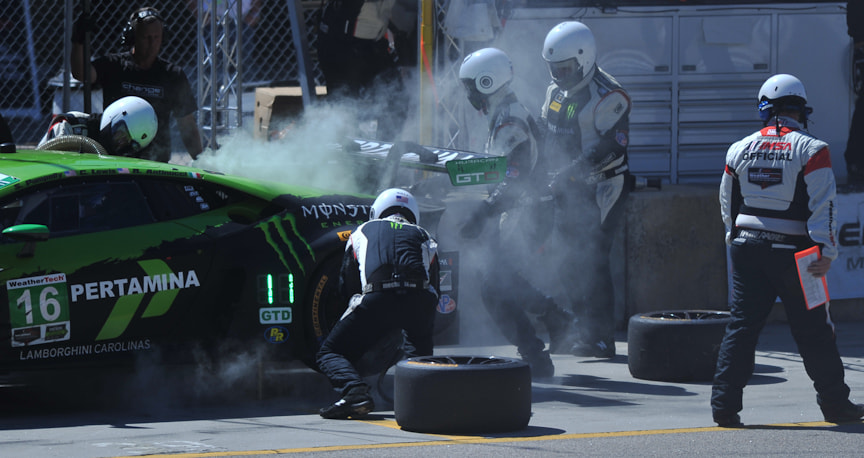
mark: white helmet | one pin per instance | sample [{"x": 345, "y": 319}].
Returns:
[
  {"x": 784, "y": 91},
  {"x": 130, "y": 123},
  {"x": 394, "y": 200},
  {"x": 484, "y": 73},
  {"x": 570, "y": 52}
]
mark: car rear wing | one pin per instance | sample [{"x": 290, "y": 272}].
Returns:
[{"x": 462, "y": 167}]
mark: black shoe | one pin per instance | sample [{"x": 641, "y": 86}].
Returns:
[
  {"x": 843, "y": 413},
  {"x": 561, "y": 327},
  {"x": 601, "y": 349},
  {"x": 541, "y": 365},
  {"x": 351, "y": 406},
  {"x": 728, "y": 421}
]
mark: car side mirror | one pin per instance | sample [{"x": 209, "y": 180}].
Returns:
[{"x": 30, "y": 234}]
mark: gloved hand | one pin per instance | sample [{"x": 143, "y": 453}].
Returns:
[
  {"x": 82, "y": 25},
  {"x": 476, "y": 222}
]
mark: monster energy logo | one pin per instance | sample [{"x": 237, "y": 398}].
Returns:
[
  {"x": 285, "y": 240},
  {"x": 571, "y": 110}
]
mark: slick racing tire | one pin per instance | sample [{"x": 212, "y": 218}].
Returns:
[
  {"x": 675, "y": 345},
  {"x": 323, "y": 309},
  {"x": 462, "y": 394}
]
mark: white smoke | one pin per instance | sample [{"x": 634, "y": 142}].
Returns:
[{"x": 307, "y": 154}]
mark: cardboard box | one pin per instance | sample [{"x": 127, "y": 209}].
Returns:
[{"x": 275, "y": 106}]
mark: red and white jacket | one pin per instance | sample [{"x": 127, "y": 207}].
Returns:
[{"x": 781, "y": 182}]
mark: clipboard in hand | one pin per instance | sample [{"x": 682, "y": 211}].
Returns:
[{"x": 815, "y": 289}]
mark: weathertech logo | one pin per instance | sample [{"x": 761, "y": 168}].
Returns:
[{"x": 765, "y": 177}]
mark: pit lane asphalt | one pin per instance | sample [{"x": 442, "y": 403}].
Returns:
[{"x": 591, "y": 407}]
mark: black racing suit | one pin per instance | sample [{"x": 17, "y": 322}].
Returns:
[
  {"x": 390, "y": 272},
  {"x": 586, "y": 137},
  {"x": 776, "y": 198},
  {"x": 164, "y": 85},
  {"x": 514, "y": 205}
]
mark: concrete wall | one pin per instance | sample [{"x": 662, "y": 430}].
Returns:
[{"x": 675, "y": 257}]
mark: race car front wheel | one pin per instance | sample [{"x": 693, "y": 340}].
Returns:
[{"x": 324, "y": 307}]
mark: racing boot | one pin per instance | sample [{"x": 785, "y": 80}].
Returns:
[
  {"x": 842, "y": 413},
  {"x": 540, "y": 363},
  {"x": 355, "y": 404},
  {"x": 602, "y": 348},
  {"x": 561, "y": 325},
  {"x": 728, "y": 420}
]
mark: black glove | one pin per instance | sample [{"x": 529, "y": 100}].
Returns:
[
  {"x": 476, "y": 222},
  {"x": 82, "y": 25}
]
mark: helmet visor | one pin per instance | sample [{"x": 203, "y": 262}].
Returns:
[
  {"x": 566, "y": 73},
  {"x": 478, "y": 100},
  {"x": 122, "y": 140}
]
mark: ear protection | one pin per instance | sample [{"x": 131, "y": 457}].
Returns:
[
  {"x": 767, "y": 110},
  {"x": 127, "y": 38}
]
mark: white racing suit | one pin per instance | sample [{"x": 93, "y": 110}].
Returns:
[
  {"x": 776, "y": 198},
  {"x": 586, "y": 138},
  {"x": 515, "y": 204},
  {"x": 781, "y": 184}
]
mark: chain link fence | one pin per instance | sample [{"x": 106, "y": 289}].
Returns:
[{"x": 34, "y": 46}]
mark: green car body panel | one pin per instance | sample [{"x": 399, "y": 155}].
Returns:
[{"x": 224, "y": 261}]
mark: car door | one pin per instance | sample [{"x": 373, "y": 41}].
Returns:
[{"x": 113, "y": 278}]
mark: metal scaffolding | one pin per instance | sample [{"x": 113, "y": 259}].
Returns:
[{"x": 220, "y": 65}]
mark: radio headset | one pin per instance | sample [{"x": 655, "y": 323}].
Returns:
[{"x": 127, "y": 38}]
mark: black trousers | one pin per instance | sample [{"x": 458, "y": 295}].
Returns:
[
  {"x": 760, "y": 273},
  {"x": 377, "y": 315},
  {"x": 508, "y": 297},
  {"x": 586, "y": 268}
]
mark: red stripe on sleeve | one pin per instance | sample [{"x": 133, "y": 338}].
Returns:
[{"x": 820, "y": 160}]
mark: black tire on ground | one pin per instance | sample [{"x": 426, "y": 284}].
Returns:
[
  {"x": 675, "y": 345},
  {"x": 462, "y": 394}
]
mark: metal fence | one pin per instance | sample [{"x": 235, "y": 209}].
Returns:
[
  {"x": 34, "y": 50},
  {"x": 34, "y": 45}
]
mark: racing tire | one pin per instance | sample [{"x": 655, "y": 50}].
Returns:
[
  {"x": 462, "y": 394},
  {"x": 675, "y": 345},
  {"x": 324, "y": 308}
]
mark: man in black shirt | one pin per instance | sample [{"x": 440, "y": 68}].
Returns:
[{"x": 141, "y": 72}]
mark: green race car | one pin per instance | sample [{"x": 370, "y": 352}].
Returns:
[{"x": 104, "y": 259}]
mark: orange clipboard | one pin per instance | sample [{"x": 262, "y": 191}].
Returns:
[{"x": 815, "y": 289}]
